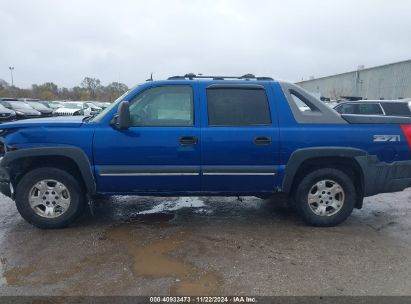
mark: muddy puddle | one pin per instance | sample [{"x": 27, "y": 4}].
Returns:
[
  {"x": 35, "y": 275},
  {"x": 17, "y": 275},
  {"x": 158, "y": 259}
]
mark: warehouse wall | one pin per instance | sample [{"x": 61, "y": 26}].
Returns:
[{"x": 391, "y": 81}]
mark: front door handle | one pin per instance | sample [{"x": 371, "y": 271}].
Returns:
[
  {"x": 262, "y": 140},
  {"x": 188, "y": 140}
]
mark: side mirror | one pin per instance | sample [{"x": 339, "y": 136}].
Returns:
[{"x": 122, "y": 118}]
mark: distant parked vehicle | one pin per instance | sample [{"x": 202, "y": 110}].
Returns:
[
  {"x": 102, "y": 105},
  {"x": 78, "y": 108},
  {"x": 22, "y": 109},
  {"x": 28, "y": 99},
  {"x": 52, "y": 104},
  {"x": 71, "y": 108},
  {"x": 375, "y": 107},
  {"x": 6, "y": 114},
  {"x": 95, "y": 109},
  {"x": 45, "y": 111}
]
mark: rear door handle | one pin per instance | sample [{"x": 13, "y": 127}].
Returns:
[
  {"x": 188, "y": 140},
  {"x": 262, "y": 140}
]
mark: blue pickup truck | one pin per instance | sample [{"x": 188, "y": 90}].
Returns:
[{"x": 205, "y": 135}]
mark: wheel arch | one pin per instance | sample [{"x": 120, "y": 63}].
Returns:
[
  {"x": 72, "y": 159},
  {"x": 303, "y": 161}
]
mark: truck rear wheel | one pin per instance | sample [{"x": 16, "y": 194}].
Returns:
[
  {"x": 325, "y": 197},
  {"x": 49, "y": 198}
]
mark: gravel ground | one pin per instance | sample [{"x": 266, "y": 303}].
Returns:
[{"x": 209, "y": 246}]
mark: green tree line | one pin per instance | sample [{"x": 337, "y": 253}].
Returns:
[{"x": 89, "y": 89}]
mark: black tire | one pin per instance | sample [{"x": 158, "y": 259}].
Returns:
[
  {"x": 34, "y": 176},
  {"x": 306, "y": 184}
]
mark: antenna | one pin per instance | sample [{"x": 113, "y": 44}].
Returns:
[{"x": 151, "y": 77}]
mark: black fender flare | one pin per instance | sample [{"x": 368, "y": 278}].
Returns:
[
  {"x": 301, "y": 155},
  {"x": 74, "y": 153}
]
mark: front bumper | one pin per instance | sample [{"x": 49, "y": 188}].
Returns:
[{"x": 381, "y": 177}]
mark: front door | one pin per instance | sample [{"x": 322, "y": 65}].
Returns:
[
  {"x": 160, "y": 152},
  {"x": 240, "y": 139}
]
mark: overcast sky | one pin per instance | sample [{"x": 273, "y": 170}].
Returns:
[{"x": 64, "y": 41}]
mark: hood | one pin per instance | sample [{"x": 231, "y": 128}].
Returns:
[
  {"x": 45, "y": 110},
  {"x": 59, "y": 121},
  {"x": 27, "y": 111},
  {"x": 8, "y": 111}
]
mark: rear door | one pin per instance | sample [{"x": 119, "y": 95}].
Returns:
[{"x": 240, "y": 146}]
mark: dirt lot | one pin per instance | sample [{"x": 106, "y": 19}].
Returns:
[{"x": 230, "y": 246}]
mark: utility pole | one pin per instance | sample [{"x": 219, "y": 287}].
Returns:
[{"x": 11, "y": 72}]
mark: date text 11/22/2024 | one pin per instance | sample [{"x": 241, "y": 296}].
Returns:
[{"x": 205, "y": 299}]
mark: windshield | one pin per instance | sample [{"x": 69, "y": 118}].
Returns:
[
  {"x": 2, "y": 107},
  {"x": 103, "y": 113},
  {"x": 20, "y": 105},
  {"x": 72, "y": 105}
]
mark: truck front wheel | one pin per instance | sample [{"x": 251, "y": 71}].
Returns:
[
  {"x": 49, "y": 198},
  {"x": 325, "y": 197}
]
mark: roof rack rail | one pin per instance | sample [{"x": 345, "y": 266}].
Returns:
[
  {"x": 192, "y": 76},
  {"x": 176, "y": 77}
]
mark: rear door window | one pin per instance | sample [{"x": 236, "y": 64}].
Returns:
[{"x": 238, "y": 107}]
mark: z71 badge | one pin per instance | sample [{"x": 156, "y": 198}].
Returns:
[{"x": 387, "y": 138}]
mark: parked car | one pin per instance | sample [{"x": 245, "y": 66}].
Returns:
[
  {"x": 102, "y": 105},
  {"x": 22, "y": 109},
  {"x": 54, "y": 105},
  {"x": 208, "y": 135},
  {"x": 45, "y": 111},
  {"x": 28, "y": 99},
  {"x": 6, "y": 114},
  {"x": 77, "y": 108},
  {"x": 94, "y": 109},
  {"x": 70, "y": 108},
  {"x": 375, "y": 107}
]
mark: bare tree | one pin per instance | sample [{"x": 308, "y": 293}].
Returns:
[{"x": 92, "y": 85}]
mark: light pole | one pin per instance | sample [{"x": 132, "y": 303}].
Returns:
[{"x": 11, "y": 72}]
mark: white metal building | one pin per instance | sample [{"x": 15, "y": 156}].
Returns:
[{"x": 390, "y": 81}]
